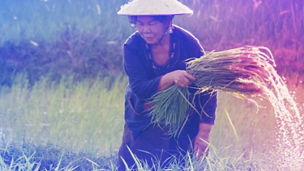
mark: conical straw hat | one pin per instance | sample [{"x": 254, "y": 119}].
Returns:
[{"x": 154, "y": 7}]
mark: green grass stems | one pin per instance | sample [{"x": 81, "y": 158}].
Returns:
[
  {"x": 76, "y": 116},
  {"x": 171, "y": 101}
]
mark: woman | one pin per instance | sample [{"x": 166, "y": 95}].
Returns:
[{"x": 154, "y": 60}]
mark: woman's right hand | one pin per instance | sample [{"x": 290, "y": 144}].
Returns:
[{"x": 179, "y": 77}]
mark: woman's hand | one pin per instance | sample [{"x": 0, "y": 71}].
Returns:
[
  {"x": 179, "y": 77},
  {"x": 201, "y": 139},
  {"x": 182, "y": 78}
]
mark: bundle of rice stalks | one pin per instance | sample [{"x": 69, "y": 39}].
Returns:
[{"x": 243, "y": 70}]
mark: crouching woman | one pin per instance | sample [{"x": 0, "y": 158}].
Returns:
[{"x": 154, "y": 60}]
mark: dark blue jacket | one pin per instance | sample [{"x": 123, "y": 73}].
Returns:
[{"x": 144, "y": 76}]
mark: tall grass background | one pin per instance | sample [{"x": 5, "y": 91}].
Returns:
[
  {"x": 62, "y": 83},
  {"x": 79, "y": 118}
]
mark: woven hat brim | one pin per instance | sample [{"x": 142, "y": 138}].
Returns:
[{"x": 154, "y": 7}]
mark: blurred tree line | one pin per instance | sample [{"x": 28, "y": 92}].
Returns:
[
  {"x": 54, "y": 38},
  {"x": 79, "y": 54}
]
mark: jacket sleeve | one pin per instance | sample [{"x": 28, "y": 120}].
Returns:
[{"x": 140, "y": 82}]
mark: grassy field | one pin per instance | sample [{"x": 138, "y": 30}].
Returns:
[
  {"x": 86, "y": 117},
  {"x": 81, "y": 125}
]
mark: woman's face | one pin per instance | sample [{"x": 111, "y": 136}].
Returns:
[{"x": 150, "y": 29}]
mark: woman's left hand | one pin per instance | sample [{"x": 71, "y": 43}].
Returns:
[{"x": 201, "y": 139}]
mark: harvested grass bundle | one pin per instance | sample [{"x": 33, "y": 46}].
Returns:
[
  {"x": 243, "y": 70},
  {"x": 169, "y": 102}
]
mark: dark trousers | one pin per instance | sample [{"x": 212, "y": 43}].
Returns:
[{"x": 154, "y": 146}]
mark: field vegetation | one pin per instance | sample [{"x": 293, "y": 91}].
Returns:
[{"x": 62, "y": 81}]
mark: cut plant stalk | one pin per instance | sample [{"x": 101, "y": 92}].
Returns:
[{"x": 243, "y": 70}]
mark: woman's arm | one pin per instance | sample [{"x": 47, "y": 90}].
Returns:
[
  {"x": 201, "y": 140},
  {"x": 140, "y": 81}
]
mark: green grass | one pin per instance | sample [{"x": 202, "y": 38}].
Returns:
[
  {"x": 80, "y": 124},
  {"x": 84, "y": 117}
]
